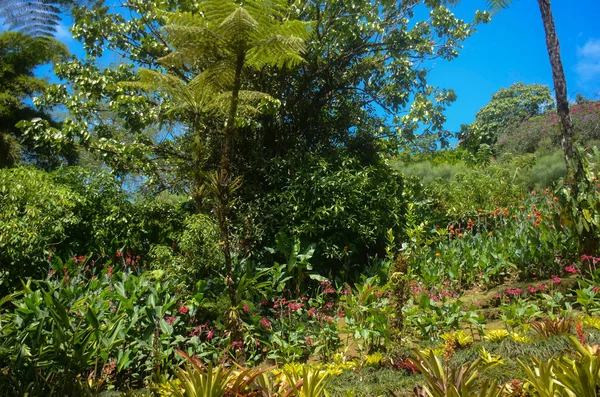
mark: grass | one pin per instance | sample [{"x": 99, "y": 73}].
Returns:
[{"x": 371, "y": 382}]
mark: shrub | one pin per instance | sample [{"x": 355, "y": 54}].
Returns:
[
  {"x": 36, "y": 217},
  {"x": 344, "y": 208}
]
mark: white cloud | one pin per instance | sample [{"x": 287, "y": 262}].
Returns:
[
  {"x": 588, "y": 65},
  {"x": 63, "y": 33}
]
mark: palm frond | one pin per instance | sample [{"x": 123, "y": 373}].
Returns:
[{"x": 496, "y": 6}]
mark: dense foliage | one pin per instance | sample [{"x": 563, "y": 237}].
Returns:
[{"x": 270, "y": 182}]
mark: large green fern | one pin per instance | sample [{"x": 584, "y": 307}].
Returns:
[
  {"x": 211, "y": 50},
  {"x": 32, "y": 17}
]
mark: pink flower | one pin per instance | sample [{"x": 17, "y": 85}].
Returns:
[
  {"x": 246, "y": 308},
  {"x": 183, "y": 310},
  {"x": 266, "y": 323},
  {"x": 311, "y": 311},
  {"x": 531, "y": 289},
  {"x": 555, "y": 279},
  {"x": 595, "y": 289},
  {"x": 170, "y": 320},
  {"x": 378, "y": 293},
  {"x": 571, "y": 269},
  {"x": 210, "y": 334},
  {"x": 307, "y": 340}
]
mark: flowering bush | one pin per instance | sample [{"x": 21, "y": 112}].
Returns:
[
  {"x": 367, "y": 315},
  {"x": 524, "y": 240},
  {"x": 544, "y": 131}
]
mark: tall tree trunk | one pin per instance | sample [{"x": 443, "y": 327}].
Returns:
[
  {"x": 224, "y": 178},
  {"x": 588, "y": 240},
  {"x": 560, "y": 89}
]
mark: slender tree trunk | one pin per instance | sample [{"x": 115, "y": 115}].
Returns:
[
  {"x": 224, "y": 178},
  {"x": 588, "y": 240},
  {"x": 560, "y": 89}
]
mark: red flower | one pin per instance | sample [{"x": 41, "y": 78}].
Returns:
[
  {"x": 183, "y": 310},
  {"x": 266, "y": 323},
  {"x": 170, "y": 320},
  {"x": 210, "y": 335},
  {"x": 246, "y": 308}
]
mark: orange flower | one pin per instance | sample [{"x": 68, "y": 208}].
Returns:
[
  {"x": 506, "y": 212},
  {"x": 490, "y": 234},
  {"x": 533, "y": 192},
  {"x": 460, "y": 235},
  {"x": 556, "y": 199},
  {"x": 470, "y": 224},
  {"x": 437, "y": 255},
  {"x": 522, "y": 207},
  {"x": 547, "y": 191}
]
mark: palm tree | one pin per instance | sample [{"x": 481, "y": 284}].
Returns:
[{"x": 214, "y": 48}]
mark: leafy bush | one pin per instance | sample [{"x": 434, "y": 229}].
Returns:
[
  {"x": 487, "y": 188},
  {"x": 428, "y": 172},
  {"x": 74, "y": 211},
  {"x": 36, "y": 217},
  {"x": 344, "y": 208},
  {"x": 196, "y": 256}
]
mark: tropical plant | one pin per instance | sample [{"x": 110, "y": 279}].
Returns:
[
  {"x": 37, "y": 18},
  {"x": 200, "y": 380},
  {"x": 307, "y": 381},
  {"x": 566, "y": 376},
  {"x": 441, "y": 381},
  {"x": 547, "y": 327},
  {"x": 234, "y": 38},
  {"x": 496, "y": 335},
  {"x": 457, "y": 339}
]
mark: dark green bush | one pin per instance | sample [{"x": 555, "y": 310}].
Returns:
[{"x": 344, "y": 208}]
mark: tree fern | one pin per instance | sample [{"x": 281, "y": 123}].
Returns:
[
  {"x": 212, "y": 48},
  {"x": 32, "y": 17}
]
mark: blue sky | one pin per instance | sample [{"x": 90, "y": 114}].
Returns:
[
  {"x": 512, "y": 48},
  {"x": 509, "y": 49}
]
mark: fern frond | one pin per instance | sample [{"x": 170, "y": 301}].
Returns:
[
  {"x": 277, "y": 50},
  {"x": 33, "y": 17},
  {"x": 239, "y": 25},
  {"x": 216, "y": 11},
  {"x": 219, "y": 75}
]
